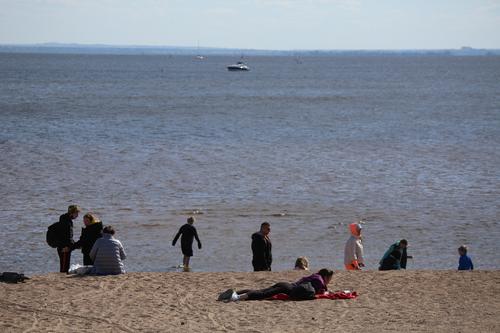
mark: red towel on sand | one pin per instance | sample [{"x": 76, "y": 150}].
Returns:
[{"x": 327, "y": 295}]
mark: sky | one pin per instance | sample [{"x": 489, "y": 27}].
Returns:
[{"x": 256, "y": 24}]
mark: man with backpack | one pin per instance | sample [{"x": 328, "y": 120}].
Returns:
[{"x": 65, "y": 237}]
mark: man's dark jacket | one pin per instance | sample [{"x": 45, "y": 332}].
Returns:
[
  {"x": 262, "y": 252},
  {"x": 65, "y": 231}
]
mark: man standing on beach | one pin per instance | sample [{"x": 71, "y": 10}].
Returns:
[
  {"x": 65, "y": 237},
  {"x": 261, "y": 249}
]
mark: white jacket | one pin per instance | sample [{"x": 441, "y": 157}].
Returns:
[{"x": 353, "y": 250}]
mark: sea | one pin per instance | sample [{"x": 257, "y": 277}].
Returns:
[{"x": 408, "y": 145}]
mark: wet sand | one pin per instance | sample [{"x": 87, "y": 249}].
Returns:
[{"x": 408, "y": 301}]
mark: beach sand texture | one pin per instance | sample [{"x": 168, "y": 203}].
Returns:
[{"x": 408, "y": 301}]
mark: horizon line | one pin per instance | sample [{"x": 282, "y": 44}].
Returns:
[{"x": 145, "y": 46}]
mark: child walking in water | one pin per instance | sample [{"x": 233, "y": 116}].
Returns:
[{"x": 188, "y": 233}]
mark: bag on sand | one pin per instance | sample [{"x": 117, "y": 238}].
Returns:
[
  {"x": 303, "y": 291},
  {"x": 79, "y": 269},
  {"x": 12, "y": 277},
  {"x": 52, "y": 235}
]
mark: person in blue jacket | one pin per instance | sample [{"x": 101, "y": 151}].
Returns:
[{"x": 465, "y": 262}]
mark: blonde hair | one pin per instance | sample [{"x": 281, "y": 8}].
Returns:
[
  {"x": 302, "y": 263},
  {"x": 92, "y": 218}
]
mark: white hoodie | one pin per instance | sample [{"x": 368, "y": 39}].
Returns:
[{"x": 353, "y": 247}]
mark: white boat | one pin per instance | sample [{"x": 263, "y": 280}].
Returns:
[{"x": 239, "y": 66}]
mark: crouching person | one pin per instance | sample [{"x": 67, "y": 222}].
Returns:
[{"x": 107, "y": 254}]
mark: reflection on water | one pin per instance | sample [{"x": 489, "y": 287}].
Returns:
[{"x": 408, "y": 144}]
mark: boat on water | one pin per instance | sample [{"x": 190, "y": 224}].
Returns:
[{"x": 239, "y": 66}]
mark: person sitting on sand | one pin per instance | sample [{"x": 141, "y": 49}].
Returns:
[
  {"x": 400, "y": 263},
  {"x": 392, "y": 261},
  {"x": 107, "y": 254},
  {"x": 188, "y": 232},
  {"x": 90, "y": 233},
  {"x": 301, "y": 264},
  {"x": 319, "y": 281},
  {"x": 353, "y": 253},
  {"x": 465, "y": 262}
]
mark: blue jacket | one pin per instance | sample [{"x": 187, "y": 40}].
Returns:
[{"x": 465, "y": 263}]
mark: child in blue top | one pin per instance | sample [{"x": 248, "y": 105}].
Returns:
[{"x": 465, "y": 263}]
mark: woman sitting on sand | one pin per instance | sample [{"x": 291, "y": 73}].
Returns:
[
  {"x": 107, "y": 254},
  {"x": 301, "y": 264},
  {"x": 319, "y": 281}
]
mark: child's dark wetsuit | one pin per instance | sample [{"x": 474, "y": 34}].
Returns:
[{"x": 188, "y": 232}]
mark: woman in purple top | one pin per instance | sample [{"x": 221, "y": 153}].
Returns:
[{"x": 319, "y": 282}]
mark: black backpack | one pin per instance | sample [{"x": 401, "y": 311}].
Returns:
[
  {"x": 12, "y": 277},
  {"x": 53, "y": 234},
  {"x": 303, "y": 291}
]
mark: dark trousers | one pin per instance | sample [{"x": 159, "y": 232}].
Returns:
[
  {"x": 278, "y": 288},
  {"x": 86, "y": 259},
  {"x": 64, "y": 260},
  {"x": 260, "y": 266}
]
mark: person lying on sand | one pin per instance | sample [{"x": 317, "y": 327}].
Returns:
[{"x": 316, "y": 283}]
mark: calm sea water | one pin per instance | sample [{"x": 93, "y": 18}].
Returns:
[{"x": 408, "y": 144}]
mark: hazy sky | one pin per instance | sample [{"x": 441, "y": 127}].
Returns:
[{"x": 259, "y": 24}]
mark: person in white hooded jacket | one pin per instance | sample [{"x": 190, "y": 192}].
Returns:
[{"x": 353, "y": 253}]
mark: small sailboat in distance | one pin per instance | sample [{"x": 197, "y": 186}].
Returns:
[
  {"x": 198, "y": 54},
  {"x": 239, "y": 66}
]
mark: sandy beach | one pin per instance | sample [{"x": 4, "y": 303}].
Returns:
[{"x": 416, "y": 301}]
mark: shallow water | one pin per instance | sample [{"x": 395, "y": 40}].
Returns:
[{"x": 408, "y": 144}]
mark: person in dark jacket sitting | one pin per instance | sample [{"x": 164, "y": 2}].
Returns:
[
  {"x": 262, "y": 249},
  {"x": 400, "y": 246},
  {"x": 90, "y": 233},
  {"x": 65, "y": 237},
  {"x": 391, "y": 262},
  {"x": 319, "y": 281}
]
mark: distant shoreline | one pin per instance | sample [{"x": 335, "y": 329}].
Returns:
[{"x": 55, "y": 48}]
